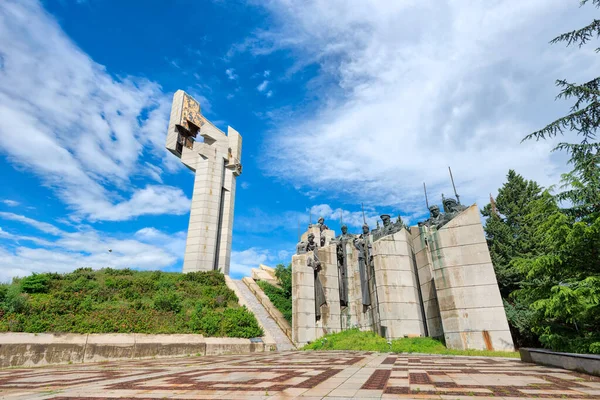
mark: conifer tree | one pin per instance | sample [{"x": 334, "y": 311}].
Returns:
[
  {"x": 582, "y": 184},
  {"x": 509, "y": 235}
]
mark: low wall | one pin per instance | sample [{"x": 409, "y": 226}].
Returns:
[
  {"x": 31, "y": 349},
  {"x": 587, "y": 363}
]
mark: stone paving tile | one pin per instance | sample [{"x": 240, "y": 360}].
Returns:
[{"x": 302, "y": 375}]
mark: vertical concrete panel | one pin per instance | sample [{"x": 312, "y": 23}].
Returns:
[
  {"x": 303, "y": 301},
  {"x": 469, "y": 300}
]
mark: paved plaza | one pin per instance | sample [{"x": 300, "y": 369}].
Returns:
[{"x": 306, "y": 375}]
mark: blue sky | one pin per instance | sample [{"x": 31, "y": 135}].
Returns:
[{"x": 339, "y": 103}]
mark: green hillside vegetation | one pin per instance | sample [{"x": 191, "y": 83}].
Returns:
[
  {"x": 354, "y": 339},
  {"x": 280, "y": 297},
  {"x": 125, "y": 301}
]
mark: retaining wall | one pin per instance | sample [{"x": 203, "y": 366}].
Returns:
[{"x": 30, "y": 349}]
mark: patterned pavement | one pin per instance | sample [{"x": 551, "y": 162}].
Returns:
[{"x": 304, "y": 375}]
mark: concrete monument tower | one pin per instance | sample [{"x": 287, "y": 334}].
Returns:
[{"x": 215, "y": 158}]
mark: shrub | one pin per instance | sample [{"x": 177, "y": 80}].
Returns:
[
  {"x": 15, "y": 301},
  {"x": 124, "y": 301},
  {"x": 209, "y": 323},
  {"x": 36, "y": 283},
  {"x": 239, "y": 322},
  {"x": 167, "y": 301},
  {"x": 279, "y": 299}
]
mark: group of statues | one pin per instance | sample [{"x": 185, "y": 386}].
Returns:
[
  {"x": 438, "y": 219},
  {"x": 362, "y": 243}
]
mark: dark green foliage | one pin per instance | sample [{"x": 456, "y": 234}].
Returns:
[
  {"x": 562, "y": 283},
  {"x": 124, "y": 301},
  {"x": 36, "y": 283},
  {"x": 279, "y": 298},
  {"x": 582, "y": 184},
  {"x": 232, "y": 322},
  {"x": 167, "y": 301},
  {"x": 284, "y": 276},
  {"x": 509, "y": 234}
]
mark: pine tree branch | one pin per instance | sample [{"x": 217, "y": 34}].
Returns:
[
  {"x": 585, "y": 122},
  {"x": 580, "y": 36}
]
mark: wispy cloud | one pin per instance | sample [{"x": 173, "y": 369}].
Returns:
[
  {"x": 10, "y": 203},
  {"x": 148, "y": 248},
  {"x": 408, "y": 88},
  {"x": 263, "y": 86},
  {"x": 230, "y": 72},
  {"x": 50, "y": 89}
]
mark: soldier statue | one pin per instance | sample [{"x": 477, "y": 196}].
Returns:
[
  {"x": 315, "y": 264},
  {"x": 363, "y": 244},
  {"x": 343, "y": 264},
  {"x": 322, "y": 227}
]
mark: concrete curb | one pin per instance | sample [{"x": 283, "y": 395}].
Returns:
[
  {"x": 271, "y": 309},
  {"x": 31, "y": 349},
  {"x": 588, "y": 363}
]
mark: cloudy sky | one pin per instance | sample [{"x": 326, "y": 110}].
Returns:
[{"x": 339, "y": 103}]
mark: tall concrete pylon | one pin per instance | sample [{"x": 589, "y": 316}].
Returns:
[{"x": 215, "y": 158}]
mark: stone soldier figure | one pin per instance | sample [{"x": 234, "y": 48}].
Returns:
[
  {"x": 315, "y": 264},
  {"x": 435, "y": 217},
  {"x": 365, "y": 257},
  {"x": 322, "y": 227},
  {"x": 342, "y": 264}
]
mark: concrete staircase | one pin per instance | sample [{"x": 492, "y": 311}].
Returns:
[{"x": 272, "y": 330}]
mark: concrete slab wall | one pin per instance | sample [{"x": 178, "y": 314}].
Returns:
[
  {"x": 303, "y": 301},
  {"x": 31, "y": 349},
  {"x": 399, "y": 306},
  {"x": 469, "y": 300}
]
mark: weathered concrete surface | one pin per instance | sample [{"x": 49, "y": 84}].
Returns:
[
  {"x": 589, "y": 363},
  {"x": 31, "y": 349},
  {"x": 468, "y": 297},
  {"x": 305, "y": 375}
]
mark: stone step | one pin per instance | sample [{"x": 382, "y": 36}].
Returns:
[{"x": 282, "y": 342}]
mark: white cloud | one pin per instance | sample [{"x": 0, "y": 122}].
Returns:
[
  {"x": 86, "y": 247},
  {"x": 267, "y": 73},
  {"x": 407, "y": 88},
  {"x": 230, "y": 72},
  {"x": 67, "y": 120},
  {"x": 245, "y": 185},
  {"x": 263, "y": 86},
  {"x": 269, "y": 93},
  {"x": 243, "y": 261},
  {"x": 10, "y": 203}
]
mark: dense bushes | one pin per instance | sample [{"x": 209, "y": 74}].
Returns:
[
  {"x": 281, "y": 297},
  {"x": 125, "y": 301}
]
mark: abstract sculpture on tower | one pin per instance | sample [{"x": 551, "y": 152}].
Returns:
[{"x": 215, "y": 158}]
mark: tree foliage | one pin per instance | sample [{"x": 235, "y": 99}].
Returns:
[
  {"x": 562, "y": 283},
  {"x": 582, "y": 184},
  {"x": 509, "y": 235}
]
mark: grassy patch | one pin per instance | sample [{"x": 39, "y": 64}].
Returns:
[
  {"x": 125, "y": 301},
  {"x": 279, "y": 299},
  {"x": 354, "y": 339}
]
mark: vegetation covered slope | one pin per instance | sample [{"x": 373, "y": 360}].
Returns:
[
  {"x": 125, "y": 301},
  {"x": 281, "y": 297},
  {"x": 354, "y": 339}
]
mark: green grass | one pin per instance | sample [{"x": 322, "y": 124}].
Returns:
[
  {"x": 125, "y": 301},
  {"x": 279, "y": 299},
  {"x": 354, "y": 339}
]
